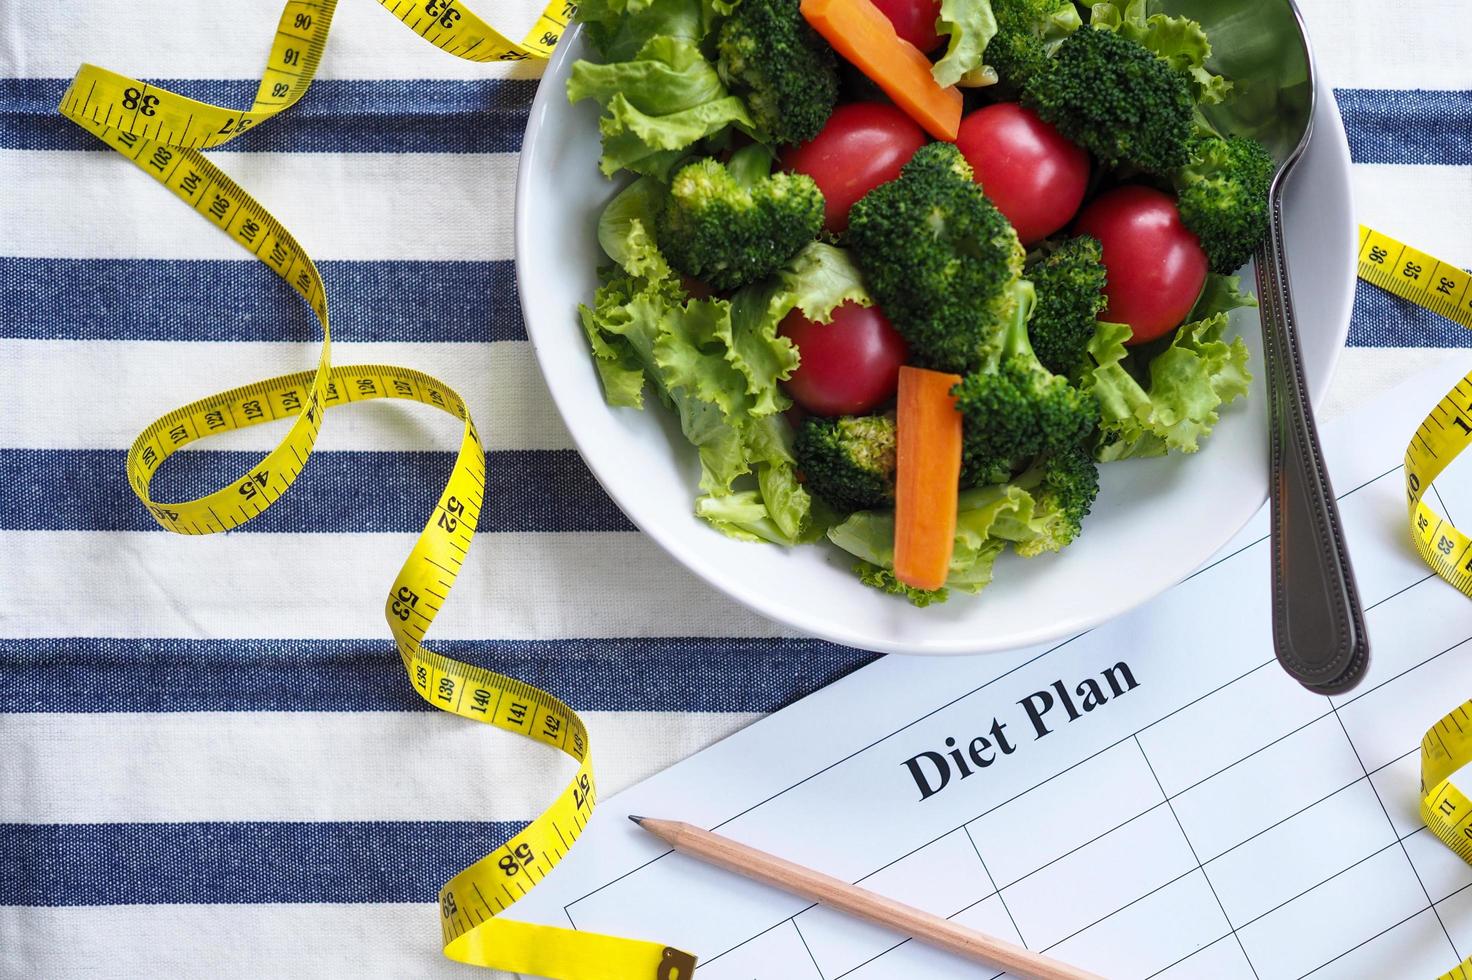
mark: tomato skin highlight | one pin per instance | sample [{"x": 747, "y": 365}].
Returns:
[
  {"x": 1030, "y": 171},
  {"x": 862, "y": 145},
  {"x": 1155, "y": 264},
  {"x": 913, "y": 20},
  {"x": 848, "y": 366}
]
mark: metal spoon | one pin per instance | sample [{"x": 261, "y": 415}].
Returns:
[{"x": 1318, "y": 624}]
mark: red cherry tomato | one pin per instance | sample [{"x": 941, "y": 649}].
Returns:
[
  {"x": 850, "y": 365},
  {"x": 1155, "y": 264},
  {"x": 862, "y": 145},
  {"x": 913, "y": 20},
  {"x": 1033, "y": 175}
]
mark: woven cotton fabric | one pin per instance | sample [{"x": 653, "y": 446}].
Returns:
[{"x": 210, "y": 763}]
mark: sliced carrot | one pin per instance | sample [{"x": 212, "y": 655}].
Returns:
[
  {"x": 860, "y": 32},
  {"x": 927, "y": 474}
]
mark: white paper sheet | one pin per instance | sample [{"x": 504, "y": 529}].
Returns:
[{"x": 1154, "y": 798}]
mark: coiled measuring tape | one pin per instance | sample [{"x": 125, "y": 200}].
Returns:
[
  {"x": 1445, "y": 289},
  {"x": 162, "y": 133},
  {"x": 1442, "y": 288}
]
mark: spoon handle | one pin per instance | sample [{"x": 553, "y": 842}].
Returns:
[{"x": 1318, "y": 625}]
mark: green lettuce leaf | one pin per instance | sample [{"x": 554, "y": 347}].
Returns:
[
  {"x": 1189, "y": 382},
  {"x": 719, "y": 377},
  {"x": 617, "y": 29},
  {"x": 619, "y": 366},
  {"x": 971, "y": 26},
  {"x": 1221, "y": 294},
  {"x": 626, "y": 229},
  {"x": 769, "y": 448},
  {"x": 817, "y": 281},
  {"x": 695, "y": 353},
  {"x": 1179, "y": 40},
  {"x": 656, "y": 105},
  {"x": 883, "y": 579}
]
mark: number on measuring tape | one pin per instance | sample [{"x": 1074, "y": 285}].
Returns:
[
  {"x": 1444, "y": 434},
  {"x": 1413, "y": 275},
  {"x": 162, "y": 132}
]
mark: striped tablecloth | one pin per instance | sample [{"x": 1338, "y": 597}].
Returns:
[{"x": 210, "y": 764}]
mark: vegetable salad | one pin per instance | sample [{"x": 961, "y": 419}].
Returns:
[{"x": 910, "y": 271}]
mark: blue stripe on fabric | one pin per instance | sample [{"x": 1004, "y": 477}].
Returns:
[
  {"x": 224, "y": 300},
  {"x": 340, "y": 492},
  {"x": 244, "y": 863},
  {"x": 104, "y": 674},
  {"x": 335, "y": 116},
  {"x": 1381, "y": 319},
  {"x": 1411, "y": 126},
  {"x": 1403, "y": 126}
]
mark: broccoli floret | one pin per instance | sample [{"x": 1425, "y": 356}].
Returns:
[
  {"x": 732, "y": 225},
  {"x": 940, "y": 259},
  {"x": 849, "y": 461},
  {"x": 1064, "y": 487},
  {"x": 1028, "y": 32},
  {"x": 1017, "y": 409},
  {"x": 1070, "y": 293},
  {"x": 1114, "y": 97},
  {"x": 784, "y": 71},
  {"x": 1224, "y": 197}
]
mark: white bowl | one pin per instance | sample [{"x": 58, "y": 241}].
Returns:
[{"x": 1156, "y": 520}]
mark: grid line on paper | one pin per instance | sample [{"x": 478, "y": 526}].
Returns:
[
  {"x": 1444, "y": 511},
  {"x": 751, "y": 939},
  {"x": 1196, "y": 857},
  {"x": 966, "y": 829},
  {"x": 804, "y": 940},
  {"x": 908, "y": 939},
  {"x": 1399, "y": 840}
]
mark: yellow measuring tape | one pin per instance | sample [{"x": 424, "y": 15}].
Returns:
[
  {"x": 1446, "y": 811},
  {"x": 1445, "y": 289},
  {"x": 1442, "y": 288},
  {"x": 162, "y": 132}
]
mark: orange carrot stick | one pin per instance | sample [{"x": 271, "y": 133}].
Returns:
[
  {"x": 860, "y": 32},
  {"x": 927, "y": 474}
]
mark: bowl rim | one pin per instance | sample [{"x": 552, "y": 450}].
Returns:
[{"x": 1328, "y": 123}]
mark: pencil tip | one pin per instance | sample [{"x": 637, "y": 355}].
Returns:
[{"x": 637, "y": 819}]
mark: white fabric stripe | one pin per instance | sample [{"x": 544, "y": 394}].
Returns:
[
  {"x": 501, "y": 382},
  {"x": 1420, "y": 44},
  {"x": 1429, "y": 207},
  {"x": 310, "y": 586},
  {"x": 1365, "y": 373},
  {"x": 372, "y": 206},
  {"x": 162, "y": 39},
  {"x": 188, "y": 766},
  {"x": 367, "y": 206},
  {"x": 225, "y": 942},
  {"x": 126, "y": 37}
]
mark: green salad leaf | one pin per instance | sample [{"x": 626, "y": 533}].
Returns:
[
  {"x": 1189, "y": 381},
  {"x": 718, "y": 370},
  {"x": 1221, "y": 294},
  {"x": 656, "y": 105},
  {"x": 617, "y": 29},
  {"x": 971, "y": 25},
  {"x": 817, "y": 281},
  {"x": 1179, "y": 40}
]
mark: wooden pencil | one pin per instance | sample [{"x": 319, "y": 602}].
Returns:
[{"x": 925, "y": 927}]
